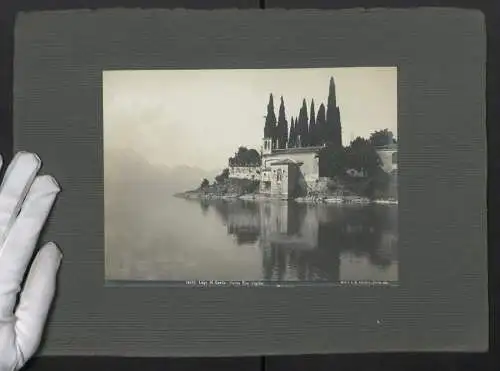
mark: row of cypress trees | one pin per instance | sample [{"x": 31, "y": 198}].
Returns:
[{"x": 307, "y": 128}]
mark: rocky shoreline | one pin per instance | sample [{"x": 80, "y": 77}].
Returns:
[{"x": 316, "y": 199}]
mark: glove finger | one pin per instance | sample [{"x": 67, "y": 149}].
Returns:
[
  {"x": 17, "y": 181},
  {"x": 36, "y": 298},
  {"x": 18, "y": 247}
]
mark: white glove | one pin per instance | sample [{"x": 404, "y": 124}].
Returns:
[{"x": 25, "y": 202}]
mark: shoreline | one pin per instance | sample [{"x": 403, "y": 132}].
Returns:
[{"x": 339, "y": 200}]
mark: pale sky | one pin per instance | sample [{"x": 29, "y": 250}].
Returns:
[{"x": 170, "y": 116}]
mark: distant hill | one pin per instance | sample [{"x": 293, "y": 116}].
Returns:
[
  {"x": 189, "y": 177},
  {"x": 128, "y": 170}
]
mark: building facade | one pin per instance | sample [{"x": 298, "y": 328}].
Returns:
[
  {"x": 288, "y": 172},
  {"x": 292, "y": 172},
  {"x": 389, "y": 157},
  {"x": 245, "y": 172}
]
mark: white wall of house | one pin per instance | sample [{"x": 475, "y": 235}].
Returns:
[
  {"x": 309, "y": 167},
  {"x": 389, "y": 159}
]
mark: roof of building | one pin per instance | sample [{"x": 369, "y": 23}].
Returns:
[
  {"x": 295, "y": 150},
  {"x": 392, "y": 146},
  {"x": 286, "y": 161}
]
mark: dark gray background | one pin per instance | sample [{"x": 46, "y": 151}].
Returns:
[{"x": 442, "y": 302}]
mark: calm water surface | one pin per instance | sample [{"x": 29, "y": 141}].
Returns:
[{"x": 167, "y": 238}]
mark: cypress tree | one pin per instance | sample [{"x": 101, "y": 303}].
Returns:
[
  {"x": 282, "y": 128},
  {"x": 320, "y": 125},
  {"x": 270, "y": 124},
  {"x": 292, "y": 141},
  {"x": 333, "y": 130},
  {"x": 285, "y": 134},
  {"x": 303, "y": 125},
  {"x": 291, "y": 138},
  {"x": 312, "y": 126}
]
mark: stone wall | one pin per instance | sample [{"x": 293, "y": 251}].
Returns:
[{"x": 244, "y": 172}]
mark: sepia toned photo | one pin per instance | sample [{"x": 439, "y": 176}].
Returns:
[{"x": 269, "y": 176}]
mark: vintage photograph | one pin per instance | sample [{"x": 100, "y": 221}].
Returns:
[{"x": 257, "y": 175}]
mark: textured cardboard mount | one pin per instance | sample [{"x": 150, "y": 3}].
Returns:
[{"x": 441, "y": 304}]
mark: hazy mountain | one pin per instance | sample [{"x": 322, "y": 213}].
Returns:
[
  {"x": 187, "y": 177},
  {"x": 128, "y": 171}
]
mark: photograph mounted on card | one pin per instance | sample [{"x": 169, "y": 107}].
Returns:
[
  {"x": 248, "y": 182},
  {"x": 276, "y": 195}
]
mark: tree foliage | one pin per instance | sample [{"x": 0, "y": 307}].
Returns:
[
  {"x": 223, "y": 176},
  {"x": 382, "y": 138},
  {"x": 362, "y": 156},
  {"x": 320, "y": 125},
  {"x": 292, "y": 138},
  {"x": 332, "y": 132},
  {"x": 307, "y": 129},
  {"x": 359, "y": 155},
  {"x": 302, "y": 127},
  {"x": 204, "y": 183},
  {"x": 313, "y": 134},
  {"x": 245, "y": 157},
  {"x": 282, "y": 127},
  {"x": 332, "y": 161},
  {"x": 270, "y": 124}
]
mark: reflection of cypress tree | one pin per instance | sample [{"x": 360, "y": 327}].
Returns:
[
  {"x": 323, "y": 264},
  {"x": 330, "y": 236},
  {"x": 301, "y": 265},
  {"x": 362, "y": 232},
  {"x": 359, "y": 231},
  {"x": 280, "y": 262},
  {"x": 327, "y": 262},
  {"x": 379, "y": 260},
  {"x": 298, "y": 260},
  {"x": 294, "y": 221},
  {"x": 268, "y": 264}
]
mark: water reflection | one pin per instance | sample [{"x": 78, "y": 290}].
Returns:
[{"x": 314, "y": 242}]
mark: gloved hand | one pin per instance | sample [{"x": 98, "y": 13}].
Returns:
[{"x": 25, "y": 202}]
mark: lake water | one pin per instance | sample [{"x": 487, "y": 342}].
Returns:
[{"x": 171, "y": 239}]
